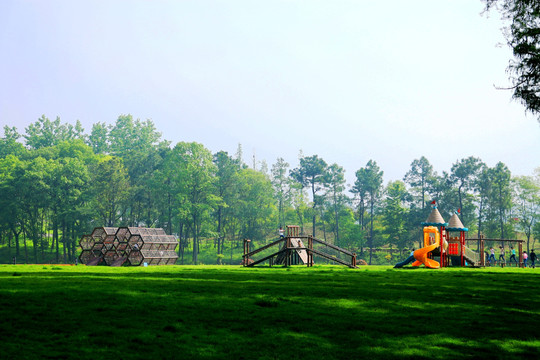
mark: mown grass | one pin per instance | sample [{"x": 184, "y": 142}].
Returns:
[{"x": 217, "y": 312}]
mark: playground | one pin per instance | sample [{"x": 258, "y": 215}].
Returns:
[
  {"x": 233, "y": 312},
  {"x": 446, "y": 245}
]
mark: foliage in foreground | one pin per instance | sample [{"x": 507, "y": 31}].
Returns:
[{"x": 268, "y": 313}]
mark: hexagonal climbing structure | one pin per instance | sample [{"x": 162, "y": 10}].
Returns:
[{"x": 128, "y": 246}]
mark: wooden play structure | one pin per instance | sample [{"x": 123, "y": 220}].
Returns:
[
  {"x": 128, "y": 246},
  {"x": 296, "y": 249}
]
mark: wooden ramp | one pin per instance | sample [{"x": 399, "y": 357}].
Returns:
[
  {"x": 94, "y": 261},
  {"x": 298, "y": 248},
  {"x": 119, "y": 261}
]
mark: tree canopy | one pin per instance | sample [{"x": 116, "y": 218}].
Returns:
[{"x": 523, "y": 37}]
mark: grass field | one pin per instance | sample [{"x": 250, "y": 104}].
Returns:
[{"x": 217, "y": 312}]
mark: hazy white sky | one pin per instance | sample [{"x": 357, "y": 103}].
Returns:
[{"x": 349, "y": 81}]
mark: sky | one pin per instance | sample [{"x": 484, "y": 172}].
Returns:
[{"x": 349, "y": 81}]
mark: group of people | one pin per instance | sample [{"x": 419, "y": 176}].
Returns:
[{"x": 532, "y": 256}]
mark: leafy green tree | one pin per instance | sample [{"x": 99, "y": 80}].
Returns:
[
  {"x": 110, "y": 191},
  {"x": 350, "y": 233},
  {"x": 499, "y": 201},
  {"x": 161, "y": 190},
  {"x": 371, "y": 177},
  {"x": 281, "y": 187},
  {"x": 169, "y": 189},
  {"x": 46, "y": 133},
  {"x": 12, "y": 199},
  {"x": 526, "y": 204},
  {"x": 196, "y": 177},
  {"x": 536, "y": 232},
  {"x": 463, "y": 176},
  {"x": 256, "y": 208},
  {"x": 226, "y": 184},
  {"x": 335, "y": 187},
  {"x": 440, "y": 189},
  {"x": 9, "y": 144},
  {"x": 99, "y": 138},
  {"x": 522, "y": 36},
  {"x": 139, "y": 145},
  {"x": 129, "y": 138},
  {"x": 311, "y": 173},
  {"x": 482, "y": 187},
  {"x": 418, "y": 178},
  {"x": 394, "y": 214},
  {"x": 299, "y": 202},
  {"x": 35, "y": 183},
  {"x": 69, "y": 185},
  {"x": 360, "y": 193}
]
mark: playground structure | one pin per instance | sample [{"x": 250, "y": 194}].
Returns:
[
  {"x": 432, "y": 240},
  {"x": 292, "y": 250},
  {"x": 452, "y": 250},
  {"x": 448, "y": 242},
  {"x": 128, "y": 246}
]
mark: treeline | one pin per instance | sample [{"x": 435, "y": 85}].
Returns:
[{"x": 57, "y": 183}]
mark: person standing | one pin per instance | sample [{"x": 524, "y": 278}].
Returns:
[
  {"x": 502, "y": 261},
  {"x": 281, "y": 233},
  {"x": 491, "y": 256},
  {"x": 533, "y": 258},
  {"x": 512, "y": 255},
  {"x": 525, "y": 257}
]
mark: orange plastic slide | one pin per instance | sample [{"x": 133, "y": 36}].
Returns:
[{"x": 421, "y": 255}]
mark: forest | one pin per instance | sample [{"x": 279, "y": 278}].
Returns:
[{"x": 58, "y": 182}]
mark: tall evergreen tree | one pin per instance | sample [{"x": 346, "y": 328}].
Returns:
[
  {"x": 335, "y": 184},
  {"x": 418, "y": 178},
  {"x": 311, "y": 173},
  {"x": 280, "y": 183},
  {"x": 372, "y": 177}
]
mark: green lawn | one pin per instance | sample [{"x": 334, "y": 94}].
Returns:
[{"x": 216, "y": 312}]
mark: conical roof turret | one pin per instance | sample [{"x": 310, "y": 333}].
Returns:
[
  {"x": 435, "y": 219},
  {"x": 455, "y": 224}
]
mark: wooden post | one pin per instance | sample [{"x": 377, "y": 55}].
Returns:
[
  {"x": 288, "y": 251},
  {"x": 244, "y": 254},
  {"x": 293, "y": 231},
  {"x": 310, "y": 253},
  {"x": 482, "y": 252},
  {"x": 246, "y": 251}
]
